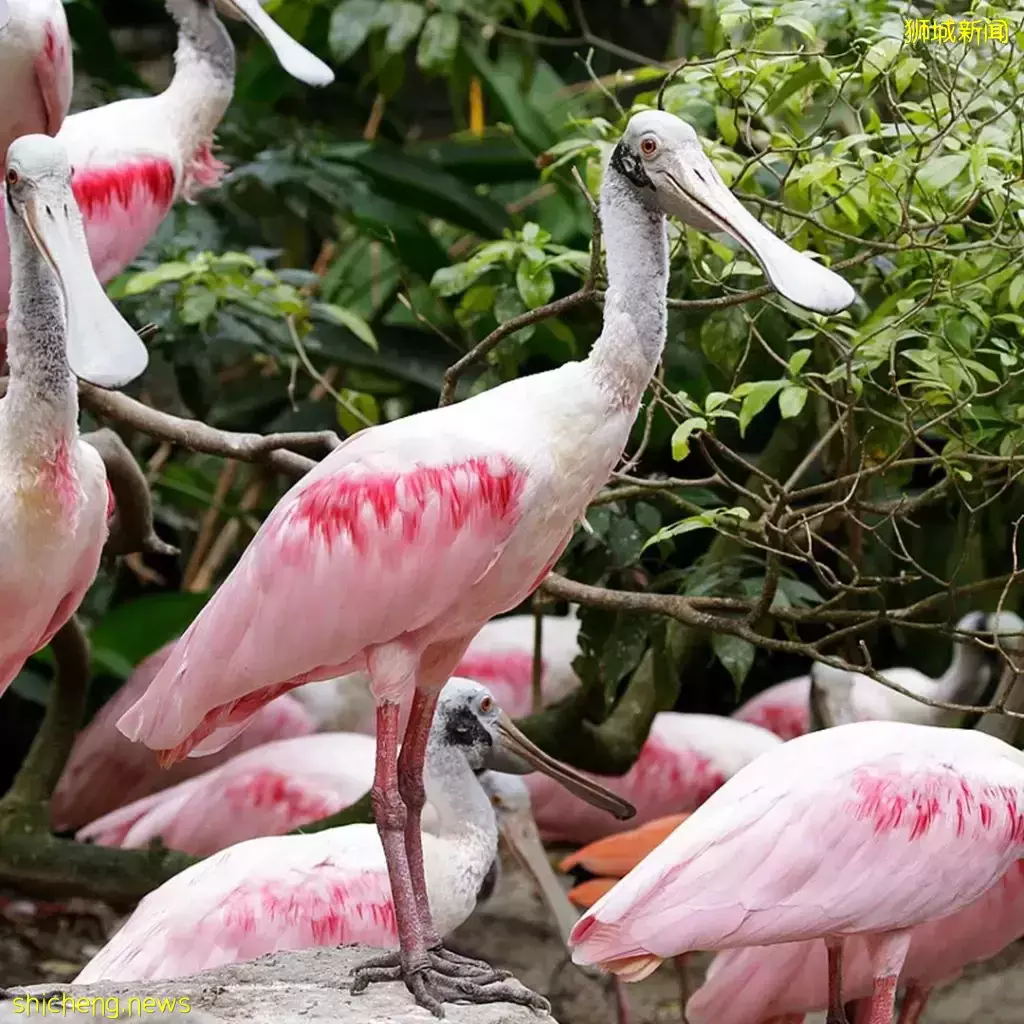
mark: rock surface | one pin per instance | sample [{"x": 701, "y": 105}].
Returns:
[{"x": 282, "y": 988}]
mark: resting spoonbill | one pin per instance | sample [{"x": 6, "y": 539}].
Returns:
[
  {"x": 867, "y": 829},
  {"x": 328, "y": 888},
  {"x": 105, "y": 771},
  {"x": 35, "y": 70},
  {"x": 394, "y": 551},
  {"x": 54, "y": 498},
  {"x": 134, "y": 158},
  {"x": 762, "y": 983},
  {"x": 684, "y": 759},
  {"x": 500, "y": 656},
  {"x": 785, "y": 707}
]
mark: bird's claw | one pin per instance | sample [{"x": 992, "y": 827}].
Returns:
[{"x": 446, "y": 977}]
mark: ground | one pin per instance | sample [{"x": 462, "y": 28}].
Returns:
[{"x": 49, "y": 944}]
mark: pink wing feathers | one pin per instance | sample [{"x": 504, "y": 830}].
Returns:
[
  {"x": 283, "y": 892},
  {"x": 263, "y": 792},
  {"x": 790, "y": 847},
  {"x": 106, "y": 771},
  {"x": 366, "y": 550},
  {"x": 783, "y": 709}
]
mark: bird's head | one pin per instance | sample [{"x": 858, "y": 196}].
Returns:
[
  {"x": 102, "y": 348},
  {"x": 662, "y": 157},
  {"x": 291, "y": 55},
  {"x": 469, "y": 718}
]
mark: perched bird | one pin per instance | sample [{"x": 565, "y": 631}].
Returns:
[
  {"x": 134, "y": 158},
  {"x": 54, "y": 499},
  {"x": 684, "y": 759},
  {"x": 331, "y": 887},
  {"x": 500, "y": 656},
  {"x": 610, "y": 859},
  {"x": 761, "y": 983},
  {"x": 35, "y": 70},
  {"x": 392, "y": 553},
  {"x": 105, "y": 771},
  {"x": 265, "y": 791},
  {"x": 784, "y": 708},
  {"x": 867, "y": 829}
]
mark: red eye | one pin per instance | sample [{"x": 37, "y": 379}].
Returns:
[
  {"x": 12, "y": 177},
  {"x": 486, "y": 705},
  {"x": 648, "y": 147}
]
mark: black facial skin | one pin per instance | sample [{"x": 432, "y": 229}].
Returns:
[
  {"x": 463, "y": 729},
  {"x": 630, "y": 166}
]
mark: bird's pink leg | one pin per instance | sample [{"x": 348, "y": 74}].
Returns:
[
  {"x": 888, "y": 952},
  {"x": 836, "y": 1013},
  {"x": 914, "y": 1003},
  {"x": 862, "y": 1011},
  {"x": 622, "y": 1012}
]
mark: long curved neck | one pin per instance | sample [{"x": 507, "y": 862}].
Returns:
[
  {"x": 204, "y": 73},
  {"x": 965, "y": 678},
  {"x": 463, "y": 808},
  {"x": 41, "y": 404},
  {"x": 625, "y": 356}
]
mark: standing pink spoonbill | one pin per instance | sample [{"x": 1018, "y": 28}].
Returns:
[
  {"x": 53, "y": 502},
  {"x": 105, "y": 771},
  {"x": 392, "y": 553},
  {"x": 35, "y": 69},
  {"x": 500, "y": 656},
  {"x": 684, "y": 759},
  {"x": 331, "y": 887},
  {"x": 762, "y": 983},
  {"x": 134, "y": 158},
  {"x": 867, "y": 829}
]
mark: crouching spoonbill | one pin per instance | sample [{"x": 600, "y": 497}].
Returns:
[{"x": 392, "y": 553}]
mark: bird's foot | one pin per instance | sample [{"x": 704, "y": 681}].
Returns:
[{"x": 440, "y": 976}]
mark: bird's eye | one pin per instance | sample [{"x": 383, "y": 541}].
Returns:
[
  {"x": 486, "y": 704},
  {"x": 12, "y": 177},
  {"x": 648, "y": 146}
]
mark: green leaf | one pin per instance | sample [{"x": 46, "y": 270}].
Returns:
[
  {"x": 879, "y": 57},
  {"x": 457, "y": 278},
  {"x": 681, "y": 436},
  {"x": 536, "y": 284},
  {"x": 756, "y": 396},
  {"x": 353, "y": 321},
  {"x": 135, "y": 630},
  {"x": 938, "y": 173},
  {"x": 438, "y": 43},
  {"x": 1015, "y": 292},
  {"x": 797, "y": 360},
  {"x": 791, "y": 400},
  {"x": 356, "y": 402},
  {"x": 798, "y": 24},
  {"x": 350, "y": 25},
  {"x": 736, "y": 655},
  {"x": 725, "y": 118},
  {"x": 903, "y": 73},
  {"x": 198, "y": 307},
  {"x": 404, "y": 20},
  {"x": 147, "y": 280}
]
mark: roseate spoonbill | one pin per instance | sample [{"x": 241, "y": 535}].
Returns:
[
  {"x": 105, "y": 771},
  {"x": 684, "y": 759},
  {"x": 134, "y": 158},
  {"x": 500, "y": 656},
  {"x": 761, "y": 983},
  {"x": 785, "y": 707},
  {"x": 608, "y": 860},
  {"x": 326, "y": 888},
  {"x": 53, "y": 503},
  {"x": 35, "y": 70},
  {"x": 866, "y": 829},
  {"x": 450, "y": 517}
]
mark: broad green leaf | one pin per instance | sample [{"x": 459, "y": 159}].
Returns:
[
  {"x": 798, "y": 359},
  {"x": 404, "y": 19},
  {"x": 353, "y": 403},
  {"x": 457, "y": 278},
  {"x": 147, "y": 280},
  {"x": 736, "y": 655},
  {"x": 136, "y": 629},
  {"x": 536, "y": 284},
  {"x": 791, "y": 400},
  {"x": 755, "y": 397},
  {"x": 725, "y": 118},
  {"x": 353, "y": 321},
  {"x": 1015, "y": 293},
  {"x": 198, "y": 307},
  {"x": 879, "y": 57},
  {"x": 350, "y": 25},
  {"x": 682, "y": 434},
  {"x": 938, "y": 173},
  {"x": 903, "y": 73},
  {"x": 438, "y": 43},
  {"x": 798, "y": 24}
]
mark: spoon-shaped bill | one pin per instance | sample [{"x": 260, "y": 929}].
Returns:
[
  {"x": 517, "y": 755},
  {"x": 704, "y": 202},
  {"x": 102, "y": 348},
  {"x": 291, "y": 55}
]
